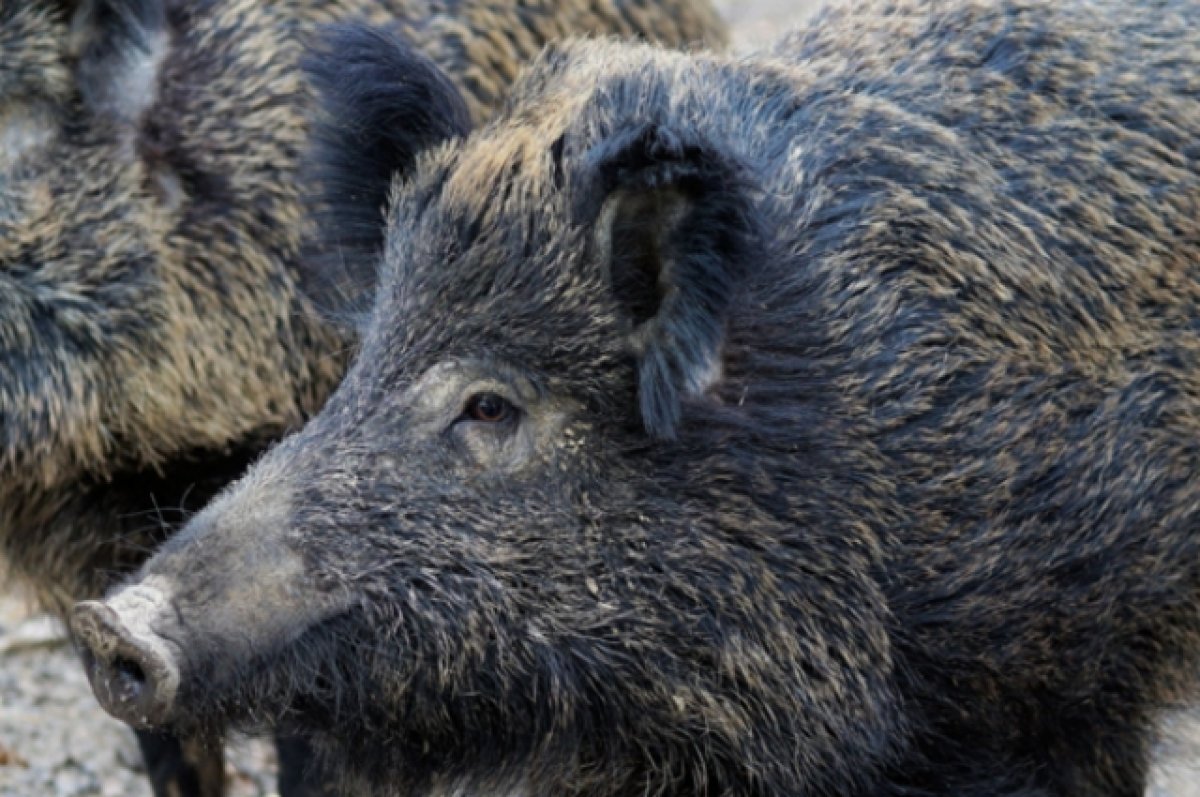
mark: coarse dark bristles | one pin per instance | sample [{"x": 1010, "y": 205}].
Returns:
[
  {"x": 382, "y": 102},
  {"x": 848, "y": 438},
  {"x": 157, "y": 331}
]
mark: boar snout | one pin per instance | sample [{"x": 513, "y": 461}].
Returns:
[{"x": 132, "y": 670}]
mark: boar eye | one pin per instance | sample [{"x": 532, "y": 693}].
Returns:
[{"x": 488, "y": 408}]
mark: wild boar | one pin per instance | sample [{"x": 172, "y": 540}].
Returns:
[
  {"x": 153, "y": 337},
  {"x": 822, "y": 422}
]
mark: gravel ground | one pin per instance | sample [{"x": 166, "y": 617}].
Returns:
[{"x": 55, "y": 741}]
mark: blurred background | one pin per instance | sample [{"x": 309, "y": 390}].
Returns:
[{"x": 55, "y": 741}]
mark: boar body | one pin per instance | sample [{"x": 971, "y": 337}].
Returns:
[{"x": 822, "y": 422}]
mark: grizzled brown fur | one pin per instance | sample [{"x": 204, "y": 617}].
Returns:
[
  {"x": 152, "y": 336},
  {"x": 825, "y": 422}
]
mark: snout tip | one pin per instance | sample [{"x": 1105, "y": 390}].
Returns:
[{"x": 131, "y": 670}]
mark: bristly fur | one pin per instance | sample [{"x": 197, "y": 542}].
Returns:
[
  {"x": 155, "y": 336},
  {"x": 675, "y": 263},
  {"x": 383, "y": 103},
  {"x": 120, "y": 43},
  {"x": 913, "y": 509}
]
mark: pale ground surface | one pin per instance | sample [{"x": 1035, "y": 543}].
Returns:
[{"x": 55, "y": 742}]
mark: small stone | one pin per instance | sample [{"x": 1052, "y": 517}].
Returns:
[
  {"x": 9, "y": 758},
  {"x": 75, "y": 782},
  {"x": 34, "y": 634}
]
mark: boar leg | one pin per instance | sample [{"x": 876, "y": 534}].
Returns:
[
  {"x": 300, "y": 773},
  {"x": 183, "y": 767}
]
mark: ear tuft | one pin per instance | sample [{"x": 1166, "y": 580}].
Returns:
[
  {"x": 675, "y": 223},
  {"x": 381, "y": 103},
  {"x": 119, "y": 45}
]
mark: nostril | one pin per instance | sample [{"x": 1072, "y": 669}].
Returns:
[{"x": 129, "y": 671}]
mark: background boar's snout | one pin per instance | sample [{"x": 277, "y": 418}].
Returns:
[{"x": 132, "y": 672}]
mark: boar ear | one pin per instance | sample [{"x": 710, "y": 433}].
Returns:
[
  {"x": 673, "y": 222},
  {"x": 381, "y": 103},
  {"x": 119, "y": 45}
]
